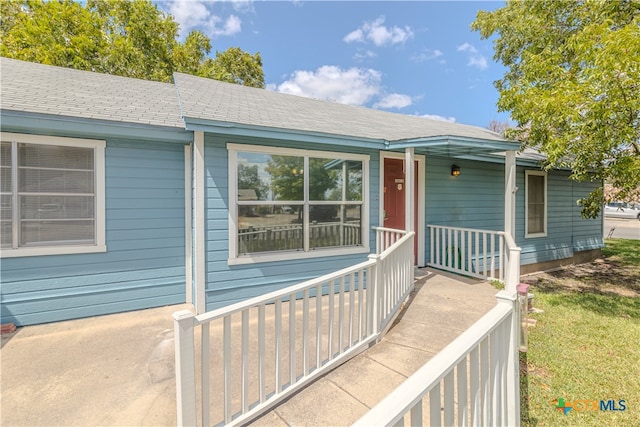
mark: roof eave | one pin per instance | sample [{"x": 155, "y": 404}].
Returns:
[
  {"x": 298, "y": 135},
  {"x": 453, "y": 144},
  {"x": 19, "y": 121}
]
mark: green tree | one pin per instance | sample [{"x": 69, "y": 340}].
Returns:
[
  {"x": 248, "y": 179},
  {"x": 126, "y": 38},
  {"x": 236, "y": 66},
  {"x": 572, "y": 85}
]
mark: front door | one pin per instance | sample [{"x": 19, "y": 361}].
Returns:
[{"x": 394, "y": 197}]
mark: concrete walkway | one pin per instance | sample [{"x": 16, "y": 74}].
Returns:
[{"x": 119, "y": 369}]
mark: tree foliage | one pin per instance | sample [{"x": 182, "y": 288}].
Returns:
[
  {"x": 125, "y": 38},
  {"x": 572, "y": 85}
]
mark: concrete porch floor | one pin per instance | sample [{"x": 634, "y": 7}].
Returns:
[{"x": 119, "y": 369}]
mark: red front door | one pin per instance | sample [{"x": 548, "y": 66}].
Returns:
[{"x": 394, "y": 197}]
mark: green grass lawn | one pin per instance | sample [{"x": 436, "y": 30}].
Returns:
[{"x": 586, "y": 343}]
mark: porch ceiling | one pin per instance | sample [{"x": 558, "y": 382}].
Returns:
[{"x": 450, "y": 146}]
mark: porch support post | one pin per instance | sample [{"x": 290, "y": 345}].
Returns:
[
  {"x": 510, "y": 193},
  {"x": 200, "y": 183},
  {"x": 409, "y": 183}
]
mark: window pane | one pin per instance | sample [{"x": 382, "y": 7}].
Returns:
[
  {"x": 536, "y": 189},
  {"x": 57, "y": 207},
  {"x": 535, "y": 207},
  {"x": 5, "y": 167},
  {"x": 269, "y": 177},
  {"x": 324, "y": 182},
  {"x": 6, "y": 234},
  {"x": 55, "y": 156},
  {"x": 354, "y": 181},
  {"x": 56, "y": 232},
  {"x": 265, "y": 228},
  {"x": 6, "y": 216},
  {"x": 55, "y": 181},
  {"x": 536, "y": 218},
  {"x": 327, "y": 180},
  {"x": 334, "y": 225}
]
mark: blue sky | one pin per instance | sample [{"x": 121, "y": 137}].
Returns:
[{"x": 415, "y": 58}]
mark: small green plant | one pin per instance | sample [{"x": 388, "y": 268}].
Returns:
[{"x": 498, "y": 284}]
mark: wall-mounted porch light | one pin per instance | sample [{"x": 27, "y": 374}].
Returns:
[{"x": 455, "y": 170}]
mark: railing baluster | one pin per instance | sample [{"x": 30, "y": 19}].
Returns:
[
  {"x": 245, "y": 361},
  {"x": 449, "y": 396},
  {"x": 484, "y": 255},
  {"x": 227, "y": 367},
  {"x": 484, "y": 382},
  {"x": 341, "y": 317},
  {"x": 352, "y": 279},
  {"x": 292, "y": 340},
  {"x": 261, "y": 354},
  {"x": 416, "y": 414},
  {"x": 205, "y": 347},
  {"x": 331, "y": 317},
  {"x": 463, "y": 401},
  {"x": 496, "y": 381},
  {"x": 278, "y": 349},
  {"x": 318, "y": 326},
  {"x": 361, "y": 312},
  {"x": 305, "y": 333},
  {"x": 435, "y": 417},
  {"x": 493, "y": 256},
  {"x": 474, "y": 387}
]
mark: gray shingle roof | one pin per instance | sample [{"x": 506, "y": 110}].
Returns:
[
  {"x": 45, "y": 89},
  {"x": 37, "y": 88},
  {"x": 208, "y": 99}
]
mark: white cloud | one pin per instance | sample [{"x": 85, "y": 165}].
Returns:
[
  {"x": 476, "y": 59},
  {"x": 379, "y": 34},
  {"x": 428, "y": 55},
  {"x": 394, "y": 100},
  {"x": 361, "y": 56},
  {"x": 353, "y": 86},
  {"x": 440, "y": 118},
  {"x": 195, "y": 14}
]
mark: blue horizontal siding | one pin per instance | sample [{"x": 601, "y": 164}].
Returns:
[
  {"x": 567, "y": 232},
  {"x": 226, "y": 284},
  {"x": 144, "y": 263}
]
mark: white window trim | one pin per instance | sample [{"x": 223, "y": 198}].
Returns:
[
  {"x": 234, "y": 259},
  {"x": 99, "y": 150},
  {"x": 528, "y": 173}
]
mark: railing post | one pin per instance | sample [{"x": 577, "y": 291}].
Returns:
[
  {"x": 513, "y": 270},
  {"x": 511, "y": 395},
  {"x": 183, "y": 323}
]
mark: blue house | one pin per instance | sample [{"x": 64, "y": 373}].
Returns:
[{"x": 121, "y": 194}]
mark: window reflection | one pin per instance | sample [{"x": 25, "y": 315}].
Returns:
[
  {"x": 268, "y": 177},
  {"x": 265, "y": 228},
  {"x": 335, "y": 180},
  {"x": 275, "y": 212},
  {"x": 334, "y": 225}
]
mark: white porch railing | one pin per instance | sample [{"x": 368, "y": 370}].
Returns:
[
  {"x": 385, "y": 237},
  {"x": 312, "y": 327},
  {"x": 473, "y": 381},
  {"x": 483, "y": 254}
]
